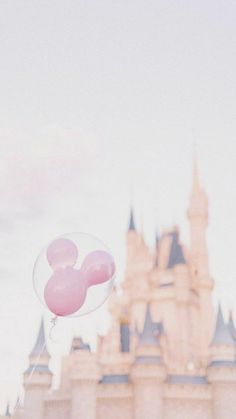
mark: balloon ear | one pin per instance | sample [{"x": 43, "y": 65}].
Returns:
[
  {"x": 61, "y": 253},
  {"x": 98, "y": 267},
  {"x": 65, "y": 292}
]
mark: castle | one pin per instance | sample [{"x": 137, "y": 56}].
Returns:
[{"x": 167, "y": 355}]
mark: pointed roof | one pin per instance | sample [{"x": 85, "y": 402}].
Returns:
[
  {"x": 176, "y": 256},
  {"x": 222, "y": 335},
  {"x": 148, "y": 335},
  {"x": 231, "y": 326},
  {"x": 40, "y": 344},
  {"x": 7, "y": 414},
  {"x": 131, "y": 221}
]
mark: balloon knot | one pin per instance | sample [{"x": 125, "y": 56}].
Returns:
[{"x": 54, "y": 320}]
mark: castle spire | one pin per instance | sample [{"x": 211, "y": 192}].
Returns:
[
  {"x": 40, "y": 344},
  {"x": 196, "y": 182},
  {"x": 37, "y": 378},
  {"x": 39, "y": 356},
  {"x": 176, "y": 256},
  {"x": 8, "y": 414},
  {"x": 198, "y": 258},
  {"x": 147, "y": 337},
  {"x": 223, "y": 356},
  {"x": 221, "y": 371},
  {"x": 131, "y": 221},
  {"x": 198, "y": 219},
  {"x": 222, "y": 335}
]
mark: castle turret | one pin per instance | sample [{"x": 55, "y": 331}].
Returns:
[
  {"x": 177, "y": 262},
  {"x": 201, "y": 281},
  {"x": 84, "y": 378},
  {"x": 148, "y": 373},
  {"x": 198, "y": 218},
  {"x": 222, "y": 371},
  {"x": 139, "y": 262},
  {"x": 37, "y": 378},
  {"x": 171, "y": 299}
]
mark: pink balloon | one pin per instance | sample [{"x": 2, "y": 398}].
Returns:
[
  {"x": 98, "y": 267},
  {"x": 61, "y": 253},
  {"x": 65, "y": 291}
]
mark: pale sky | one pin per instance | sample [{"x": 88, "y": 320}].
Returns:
[{"x": 100, "y": 105}]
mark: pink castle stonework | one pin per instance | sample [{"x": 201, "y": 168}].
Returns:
[{"x": 167, "y": 355}]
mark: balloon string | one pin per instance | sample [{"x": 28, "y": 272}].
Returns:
[
  {"x": 54, "y": 323},
  {"x": 18, "y": 403}
]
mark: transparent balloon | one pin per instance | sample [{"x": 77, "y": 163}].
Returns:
[{"x": 74, "y": 275}]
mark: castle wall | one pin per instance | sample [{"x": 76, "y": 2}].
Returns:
[
  {"x": 56, "y": 408},
  {"x": 148, "y": 401},
  {"x": 187, "y": 409},
  {"x": 187, "y": 402},
  {"x": 83, "y": 403},
  {"x": 115, "y": 402},
  {"x": 120, "y": 409},
  {"x": 34, "y": 403},
  {"x": 224, "y": 401}
]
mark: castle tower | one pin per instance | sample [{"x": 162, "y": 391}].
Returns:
[
  {"x": 171, "y": 299},
  {"x": 139, "y": 262},
  {"x": 37, "y": 378},
  {"x": 148, "y": 373},
  {"x": 108, "y": 346},
  {"x": 198, "y": 217},
  {"x": 222, "y": 371},
  {"x": 177, "y": 262},
  {"x": 84, "y": 377},
  {"x": 201, "y": 281}
]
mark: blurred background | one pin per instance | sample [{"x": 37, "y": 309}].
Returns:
[{"x": 101, "y": 104}]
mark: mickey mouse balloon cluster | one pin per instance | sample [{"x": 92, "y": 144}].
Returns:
[{"x": 65, "y": 291}]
